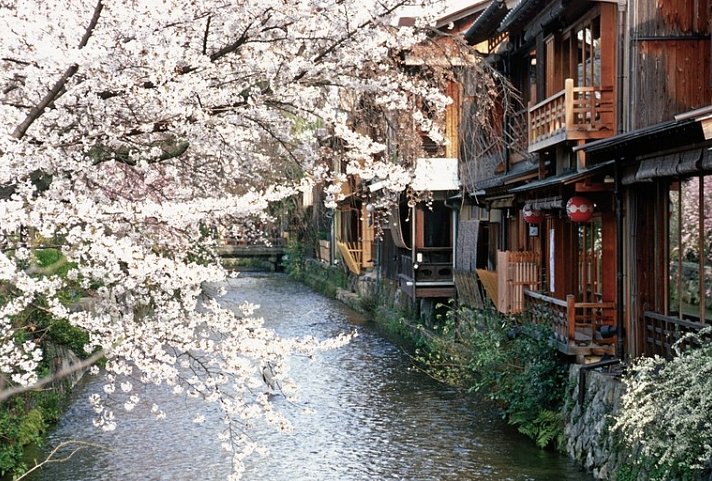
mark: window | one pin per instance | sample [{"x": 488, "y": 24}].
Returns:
[
  {"x": 690, "y": 249},
  {"x": 436, "y": 228},
  {"x": 582, "y": 53},
  {"x": 590, "y": 261}
]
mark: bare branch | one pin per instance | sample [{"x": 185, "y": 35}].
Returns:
[
  {"x": 205, "y": 36},
  {"x": 62, "y": 373},
  {"x": 50, "y": 458},
  {"x": 345, "y": 38}
]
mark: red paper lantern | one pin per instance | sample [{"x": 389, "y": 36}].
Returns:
[
  {"x": 579, "y": 209},
  {"x": 531, "y": 215}
]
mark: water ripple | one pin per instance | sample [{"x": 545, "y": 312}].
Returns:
[{"x": 372, "y": 418}]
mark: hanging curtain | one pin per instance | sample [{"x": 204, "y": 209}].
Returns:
[
  {"x": 466, "y": 254},
  {"x": 396, "y": 228}
]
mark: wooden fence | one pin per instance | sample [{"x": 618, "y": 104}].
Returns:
[
  {"x": 352, "y": 255},
  {"x": 660, "y": 332},
  {"x": 516, "y": 270}
]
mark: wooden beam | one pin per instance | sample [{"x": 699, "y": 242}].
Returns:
[{"x": 707, "y": 128}]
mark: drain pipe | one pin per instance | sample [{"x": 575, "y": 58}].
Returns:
[
  {"x": 582, "y": 376},
  {"x": 620, "y": 329},
  {"x": 621, "y": 124}
]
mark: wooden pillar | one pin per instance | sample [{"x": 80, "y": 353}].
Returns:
[{"x": 608, "y": 263}]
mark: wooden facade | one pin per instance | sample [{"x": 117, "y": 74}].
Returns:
[
  {"x": 610, "y": 93},
  {"x": 426, "y": 263},
  {"x": 670, "y": 59},
  {"x": 615, "y": 108}
]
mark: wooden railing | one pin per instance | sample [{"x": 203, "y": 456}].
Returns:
[
  {"x": 660, "y": 332},
  {"x": 577, "y": 325},
  {"x": 428, "y": 270},
  {"x": 572, "y": 114},
  {"x": 406, "y": 267}
]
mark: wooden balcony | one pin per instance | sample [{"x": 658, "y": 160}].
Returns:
[
  {"x": 575, "y": 113},
  {"x": 579, "y": 327},
  {"x": 432, "y": 277}
]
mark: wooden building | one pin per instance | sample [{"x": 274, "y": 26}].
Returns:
[{"x": 577, "y": 210}]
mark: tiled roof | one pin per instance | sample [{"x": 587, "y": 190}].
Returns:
[{"x": 486, "y": 24}]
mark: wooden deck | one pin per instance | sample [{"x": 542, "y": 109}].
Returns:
[{"x": 579, "y": 327}]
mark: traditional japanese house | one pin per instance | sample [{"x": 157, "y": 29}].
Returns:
[
  {"x": 423, "y": 231},
  {"x": 418, "y": 250},
  {"x": 423, "y": 227},
  {"x": 415, "y": 251},
  {"x": 353, "y": 228},
  {"x": 601, "y": 82},
  {"x": 664, "y": 173}
]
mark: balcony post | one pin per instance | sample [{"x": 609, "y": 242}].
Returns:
[
  {"x": 569, "y": 103},
  {"x": 571, "y": 317},
  {"x": 530, "y": 130}
]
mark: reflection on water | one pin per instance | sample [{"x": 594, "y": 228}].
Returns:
[{"x": 363, "y": 415}]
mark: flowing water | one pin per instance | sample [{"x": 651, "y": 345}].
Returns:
[{"x": 365, "y": 415}]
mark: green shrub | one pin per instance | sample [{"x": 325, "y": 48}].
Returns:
[
  {"x": 24, "y": 420},
  {"x": 514, "y": 364},
  {"x": 294, "y": 259},
  {"x": 10, "y": 448},
  {"x": 47, "y": 257}
]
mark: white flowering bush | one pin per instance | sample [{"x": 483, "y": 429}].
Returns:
[{"x": 666, "y": 411}]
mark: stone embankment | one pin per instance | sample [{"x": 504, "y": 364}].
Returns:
[{"x": 589, "y": 417}]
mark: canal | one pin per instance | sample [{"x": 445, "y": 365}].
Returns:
[{"x": 364, "y": 414}]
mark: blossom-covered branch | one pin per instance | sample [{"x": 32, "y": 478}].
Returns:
[{"x": 134, "y": 130}]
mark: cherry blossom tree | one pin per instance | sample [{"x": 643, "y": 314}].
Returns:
[{"x": 130, "y": 130}]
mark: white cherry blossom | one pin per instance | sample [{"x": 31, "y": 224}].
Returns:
[{"x": 131, "y": 130}]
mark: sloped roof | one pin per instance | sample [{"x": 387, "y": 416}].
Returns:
[
  {"x": 520, "y": 14},
  {"x": 659, "y": 137},
  {"x": 488, "y": 21},
  {"x": 563, "y": 179},
  {"x": 459, "y": 9}
]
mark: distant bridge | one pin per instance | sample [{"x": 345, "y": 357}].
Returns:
[{"x": 269, "y": 253}]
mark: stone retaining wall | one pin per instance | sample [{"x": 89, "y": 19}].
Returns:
[
  {"x": 588, "y": 437},
  {"x": 356, "y": 292}
]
